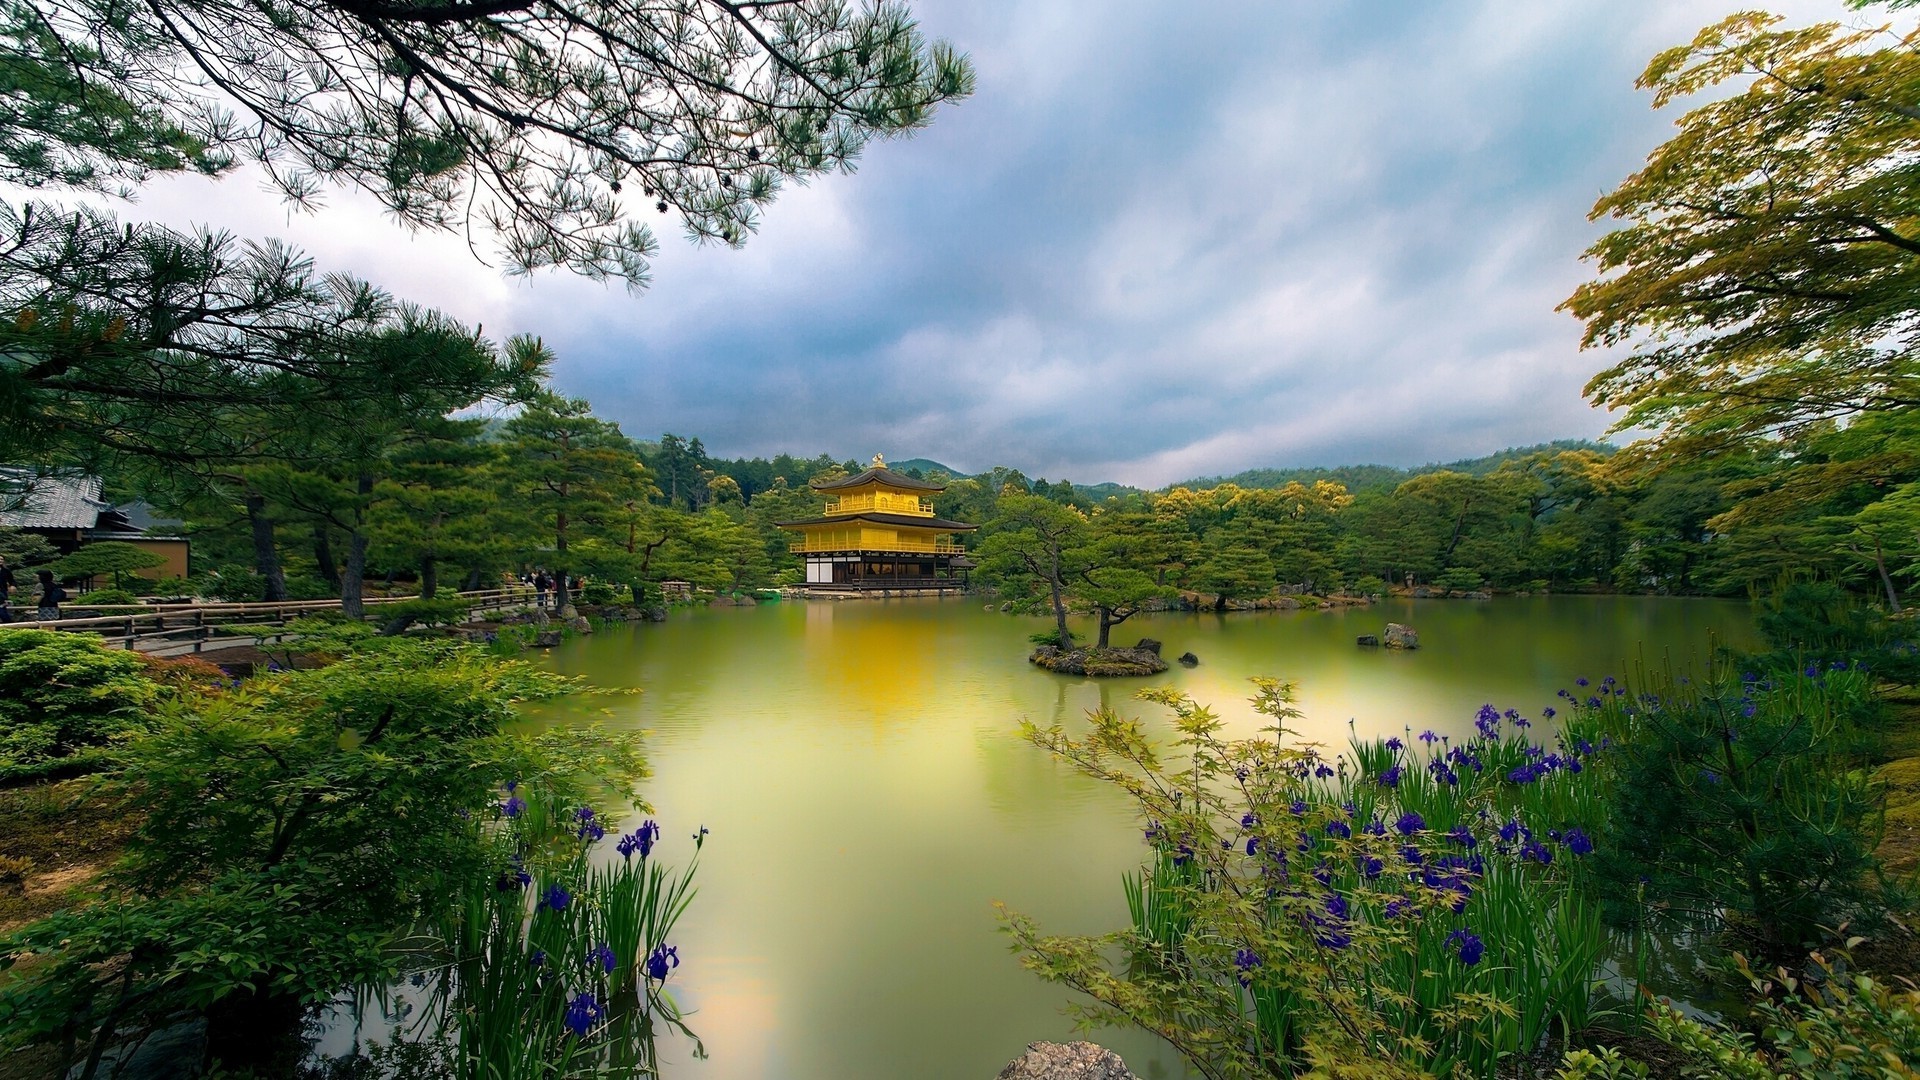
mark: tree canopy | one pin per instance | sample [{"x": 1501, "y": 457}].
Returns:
[
  {"x": 547, "y": 124},
  {"x": 1764, "y": 276},
  {"x": 197, "y": 348}
]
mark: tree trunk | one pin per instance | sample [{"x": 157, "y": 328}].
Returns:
[
  {"x": 429, "y": 576},
  {"x": 323, "y": 555},
  {"x": 473, "y": 581},
  {"x": 1065, "y": 637},
  {"x": 1886, "y": 579},
  {"x": 353, "y": 583},
  {"x": 1106, "y": 626},
  {"x": 266, "y": 559}
]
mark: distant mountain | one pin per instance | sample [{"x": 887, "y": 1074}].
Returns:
[
  {"x": 1103, "y": 492},
  {"x": 1384, "y": 477},
  {"x": 927, "y": 467}
]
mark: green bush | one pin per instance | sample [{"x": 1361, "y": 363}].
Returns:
[
  {"x": 232, "y": 583},
  {"x": 1829, "y": 1024},
  {"x": 1738, "y": 798},
  {"x": 110, "y": 602},
  {"x": 67, "y": 703},
  {"x": 1459, "y": 579},
  {"x": 597, "y": 593},
  {"x": 1819, "y": 622},
  {"x": 295, "y": 832},
  {"x": 1369, "y": 585},
  {"x": 448, "y": 610},
  {"x": 307, "y": 587}
]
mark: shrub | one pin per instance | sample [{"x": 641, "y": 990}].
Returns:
[
  {"x": 294, "y": 830},
  {"x": 232, "y": 583},
  {"x": 22, "y": 548},
  {"x": 111, "y": 602},
  {"x": 441, "y": 611},
  {"x": 1459, "y": 579},
  {"x": 1369, "y": 585},
  {"x": 166, "y": 587},
  {"x": 1827, "y": 1024},
  {"x": 1738, "y": 799},
  {"x": 67, "y": 703},
  {"x": 598, "y": 594},
  {"x": 1414, "y": 907}
]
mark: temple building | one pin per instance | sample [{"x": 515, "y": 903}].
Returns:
[{"x": 879, "y": 532}]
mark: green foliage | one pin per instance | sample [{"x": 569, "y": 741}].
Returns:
[
  {"x": 112, "y": 557},
  {"x": 110, "y": 601},
  {"x": 231, "y": 583},
  {"x": 1459, "y": 579},
  {"x": 1829, "y": 1023},
  {"x": 21, "y": 548},
  {"x": 1838, "y": 1024},
  {"x": 293, "y": 830},
  {"x": 1796, "y": 171},
  {"x": 445, "y": 611},
  {"x": 531, "y": 145},
  {"x": 504, "y": 967},
  {"x": 1401, "y": 911},
  {"x": 1606, "y": 1064},
  {"x": 67, "y": 703},
  {"x": 1738, "y": 797}
]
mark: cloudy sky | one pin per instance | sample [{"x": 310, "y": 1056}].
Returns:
[{"x": 1161, "y": 241}]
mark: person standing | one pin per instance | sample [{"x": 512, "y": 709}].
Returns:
[
  {"x": 541, "y": 583},
  {"x": 7, "y": 582},
  {"x": 51, "y": 597}
]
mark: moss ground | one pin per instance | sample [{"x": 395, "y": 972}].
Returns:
[{"x": 54, "y": 841}]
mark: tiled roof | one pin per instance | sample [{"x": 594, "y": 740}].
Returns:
[
  {"x": 63, "y": 501},
  {"x": 908, "y": 520},
  {"x": 879, "y": 474}
]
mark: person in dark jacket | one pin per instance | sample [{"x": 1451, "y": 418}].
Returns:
[
  {"x": 51, "y": 597},
  {"x": 7, "y": 582}
]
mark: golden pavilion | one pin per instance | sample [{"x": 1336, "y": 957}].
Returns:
[{"x": 879, "y": 532}]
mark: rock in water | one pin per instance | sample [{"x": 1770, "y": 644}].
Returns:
[
  {"x": 1400, "y": 636},
  {"x": 546, "y": 639},
  {"x": 1149, "y": 645},
  {"x": 580, "y": 625},
  {"x": 1067, "y": 1061},
  {"x": 1366, "y": 639},
  {"x": 1098, "y": 662},
  {"x": 1187, "y": 659}
]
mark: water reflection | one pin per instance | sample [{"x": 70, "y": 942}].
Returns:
[{"x": 870, "y": 796}]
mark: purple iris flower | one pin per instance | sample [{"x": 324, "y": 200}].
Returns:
[
  {"x": 1471, "y": 947},
  {"x": 661, "y": 961},
  {"x": 582, "y": 1013}
]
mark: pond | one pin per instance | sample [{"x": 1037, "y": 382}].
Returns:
[{"x": 870, "y": 799}]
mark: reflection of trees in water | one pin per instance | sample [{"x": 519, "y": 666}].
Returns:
[
  {"x": 1671, "y": 963},
  {"x": 1023, "y": 783}
]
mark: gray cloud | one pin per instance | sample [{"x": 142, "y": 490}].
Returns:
[{"x": 1162, "y": 241}]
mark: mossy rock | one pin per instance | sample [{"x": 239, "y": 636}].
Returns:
[{"x": 1098, "y": 663}]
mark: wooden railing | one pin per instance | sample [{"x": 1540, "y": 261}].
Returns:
[
  {"x": 936, "y": 546},
  {"x": 175, "y": 628},
  {"x": 881, "y": 503}
]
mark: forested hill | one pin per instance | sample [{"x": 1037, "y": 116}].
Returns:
[{"x": 1358, "y": 478}]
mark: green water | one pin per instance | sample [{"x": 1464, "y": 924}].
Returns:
[{"x": 870, "y": 799}]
